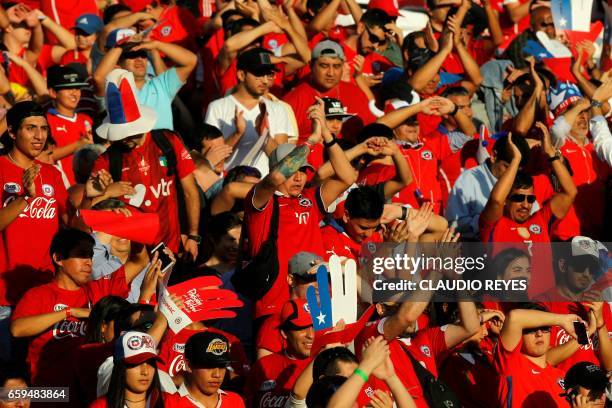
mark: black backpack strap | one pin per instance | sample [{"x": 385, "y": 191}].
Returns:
[
  {"x": 161, "y": 140},
  {"x": 115, "y": 160},
  {"x": 273, "y": 234}
]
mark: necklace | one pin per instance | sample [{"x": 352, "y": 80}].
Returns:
[{"x": 128, "y": 400}]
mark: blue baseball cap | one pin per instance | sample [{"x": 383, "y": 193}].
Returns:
[{"x": 89, "y": 23}]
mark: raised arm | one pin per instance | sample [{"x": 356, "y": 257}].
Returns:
[
  {"x": 37, "y": 81},
  {"x": 323, "y": 18},
  {"x": 494, "y": 209},
  {"x": 419, "y": 79},
  {"x": 517, "y": 11},
  {"x": 106, "y": 65},
  {"x": 526, "y": 116},
  {"x": 240, "y": 40},
  {"x": 122, "y": 22},
  {"x": 470, "y": 324},
  {"x": 497, "y": 35},
  {"x": 185, "y": 60},
  {"x": 562, "y": 201},
  {"x": 472, "y": 70}
]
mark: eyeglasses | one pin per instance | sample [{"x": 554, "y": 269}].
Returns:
[
  {"x": 134, "y": 54},
  {"x": 519, "y": 198},
  {"x": 544, "y": 24},
  {"x": 543, "y": 329}
]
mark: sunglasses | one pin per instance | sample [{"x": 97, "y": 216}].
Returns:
[
  {"x": 134, "y": 54},
  {"x": 582, "y": 264},
  {"x": 543, "y": 329},
  {"x": 374, "y": 39},
  {"x": 519, "y": 198},
  {"x": 551, "y": 24}
]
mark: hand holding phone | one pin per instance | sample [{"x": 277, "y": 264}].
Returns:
[
  {"x": 166, "y": 261},
  {"x": 581, "y": 333}
]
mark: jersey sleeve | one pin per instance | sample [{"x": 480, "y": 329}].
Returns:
[
  {"x": 505, "y": 360},
  {"x": 548, "y": 216},
  {"x": 184, "y": 162},
  {"x": 257, "y": 220},
  {"x": 169, "y": 82},
  {"x": 29, "y": 305},
  {"x": 485, "y": 229},
  {"x": 438, "y": 342}
]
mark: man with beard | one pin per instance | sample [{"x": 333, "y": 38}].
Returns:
[{"x": 243, "y": 115}]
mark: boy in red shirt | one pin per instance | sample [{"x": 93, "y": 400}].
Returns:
[
  {"x": 70, "y": 130},
  {"x": 207, "y": 356},
  {"x": 53, "y": 316},
  {"x": 527, "y": 379}
]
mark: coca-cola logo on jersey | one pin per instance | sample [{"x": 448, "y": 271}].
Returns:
[
  {"x": 177, "y": 365},
  {"x": 69, "y": 328},
  {"x": 39, "y": 208},
  {"x": 271, "y": 400}
]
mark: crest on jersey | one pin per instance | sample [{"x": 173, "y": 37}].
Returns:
[
  {"x": 561, "y": 383},
  {"x": 166, "y": 31},
  {"x": 12, "y": 188},
  {"x": 267, "y": 385},
  {"x": 59, "y": 307},
  {"x": 304, "y": 202},
  {"x": 535, "y": 228},
  {"x": 48, "y": 190},
  {"x": 426, "y": 155},
  {"x": 425, "y": 350}
]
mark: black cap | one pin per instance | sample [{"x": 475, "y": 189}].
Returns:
[
  {"x": 587, "y": 375},
  {"x": 256, "y": 61},
  {"x": 22, "y": 110},
  {"x": 64, "y": 76},
  {"x": 207, "y": 349},
  {"x": 335, "y": 109}
]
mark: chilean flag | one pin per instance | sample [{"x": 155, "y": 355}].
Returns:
[{"x": 573, "y": 15}]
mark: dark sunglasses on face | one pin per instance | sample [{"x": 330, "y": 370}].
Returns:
[
  {"x": 134, "y": 54},
  {"x": 519, "y": 198},
  {"x": 545, "y": 25},
  {"x": 543, "y": 329},
  {"x": 374, "y": 39},
  {"x": 581, "y": 265}
]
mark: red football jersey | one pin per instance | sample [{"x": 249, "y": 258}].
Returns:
[
  {"x": 525, "y": 384},
  {"x": 146, "y": 167},
  {"x": 66, "y": 12},
  {"x": 172, "y": 351},
  {"x": 269, "y": 336},
  {"x": 426, "y": 347},
  {"x": 298, "y": 230},
  {"x": 272, "y": 380},
  {"x": 302, "y": 97},
  {"x": 65, "y": 131},
  {"x": 339, "y": 243},
  {"x": 24, "y": 244},
  {"x": 49, "y": 352},
  {"x": 227, "y": 399},
  {"x": 178, "y": 26}
]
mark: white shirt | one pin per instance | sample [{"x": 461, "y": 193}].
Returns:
[{"x": 222, "y": 113}]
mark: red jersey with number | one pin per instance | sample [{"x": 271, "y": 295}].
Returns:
[
  {"x": 272, "y": 379},
  {"x": 524, "y": 384},
  {"x": 533, "y": 233},
  {"x": 50, "y": 351},
  {"x": 298, "y": 230},
  {"x": 172, "y": 351},
  {"x": 558, "y": 336},
  {"x": 302, "y": 97},
  {"x": 66, "y": 130},
  {"x": 156, "y": 192},
  {"x": 425, "y": 185},
  {"x": 227, "y": 399},
  {"x": 24, "y": 244},
  {"x": 426, "y": 347}
]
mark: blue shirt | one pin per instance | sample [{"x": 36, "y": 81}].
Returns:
[{"x": 158, "y": 93}]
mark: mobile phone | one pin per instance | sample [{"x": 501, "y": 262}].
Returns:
[
  {"x": 581, "y": 333},
  {"x": 167, "y": 262}
]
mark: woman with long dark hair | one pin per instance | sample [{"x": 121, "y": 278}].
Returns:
[{"x": 134, "y": 382}]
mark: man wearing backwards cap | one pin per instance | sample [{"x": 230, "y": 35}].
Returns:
[
  {"x": 207, "y": 357},
  {"x": 326, "y": 70},
  {"x": 273, "y": 376},
  {"x": 300, "y": 209},
  {"x": 578, "y": 268},
  {"x": 143, "y": 163},
  {"x": 238, "y": 115},
  {"x": 585, "y": 385}
]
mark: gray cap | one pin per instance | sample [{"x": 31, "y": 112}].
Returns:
[
  {"x": 328, "y": 48},
  {"x": 281, "y": 152},
  {"x": 302, "y": 262}
]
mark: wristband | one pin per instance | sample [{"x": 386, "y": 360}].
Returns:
[
  {"x": 596, "y": 104},
  {"x": 68, "y": 312},
  {"x": 361, "y": 374},
  {"x": 454, "y": 112},
  {"x": 404, "y": 213},
  {"x": 330, "y": 144}
]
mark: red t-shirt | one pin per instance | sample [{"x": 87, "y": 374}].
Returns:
[
  {"x": 426, "y": 347},
  {"x": 472, "y": 377},
  {"x": 227, "y": 399},
  {"x": 298, "y": 230},
  {"x": 16, "y": 73},
  {"x": 155, "y": 191},
  {"x": 269, "y": 336},
  {"x": 558, "y": 335},
  {"x": 49, "y": 352},
  {"x": 374, "y": 63},
  {"x": 178, "y": 26},
  {"x": 302, "y": 97},
  {"x": 535, "y": 230},
  {"x": 66, "y": 12},
  {"x": 424, "y": 167},
  {"x": 525, "y": 384},
  {"x": 172, "y": 351},
  {"x": 24, "y": 244},
  {"x": 65, "y": 131},
  {"x": 272, "y": 379}
]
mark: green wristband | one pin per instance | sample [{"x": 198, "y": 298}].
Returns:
[{"x": 362, "y": 374}]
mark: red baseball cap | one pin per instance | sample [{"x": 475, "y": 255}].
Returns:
[
  {"x": 388, "y": 6},
  {"x": 135, "y": 348},
  {"x": 295, "y": 315}
]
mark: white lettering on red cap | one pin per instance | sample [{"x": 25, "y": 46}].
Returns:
[{"x": 269, "y": 400}]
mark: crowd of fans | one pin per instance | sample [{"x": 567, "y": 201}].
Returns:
[{"x": 266, "y": 138}]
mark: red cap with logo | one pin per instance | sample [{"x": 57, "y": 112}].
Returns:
[
  {"x": 135, "y": 348},
  {"x": 295, "y": 315}
]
